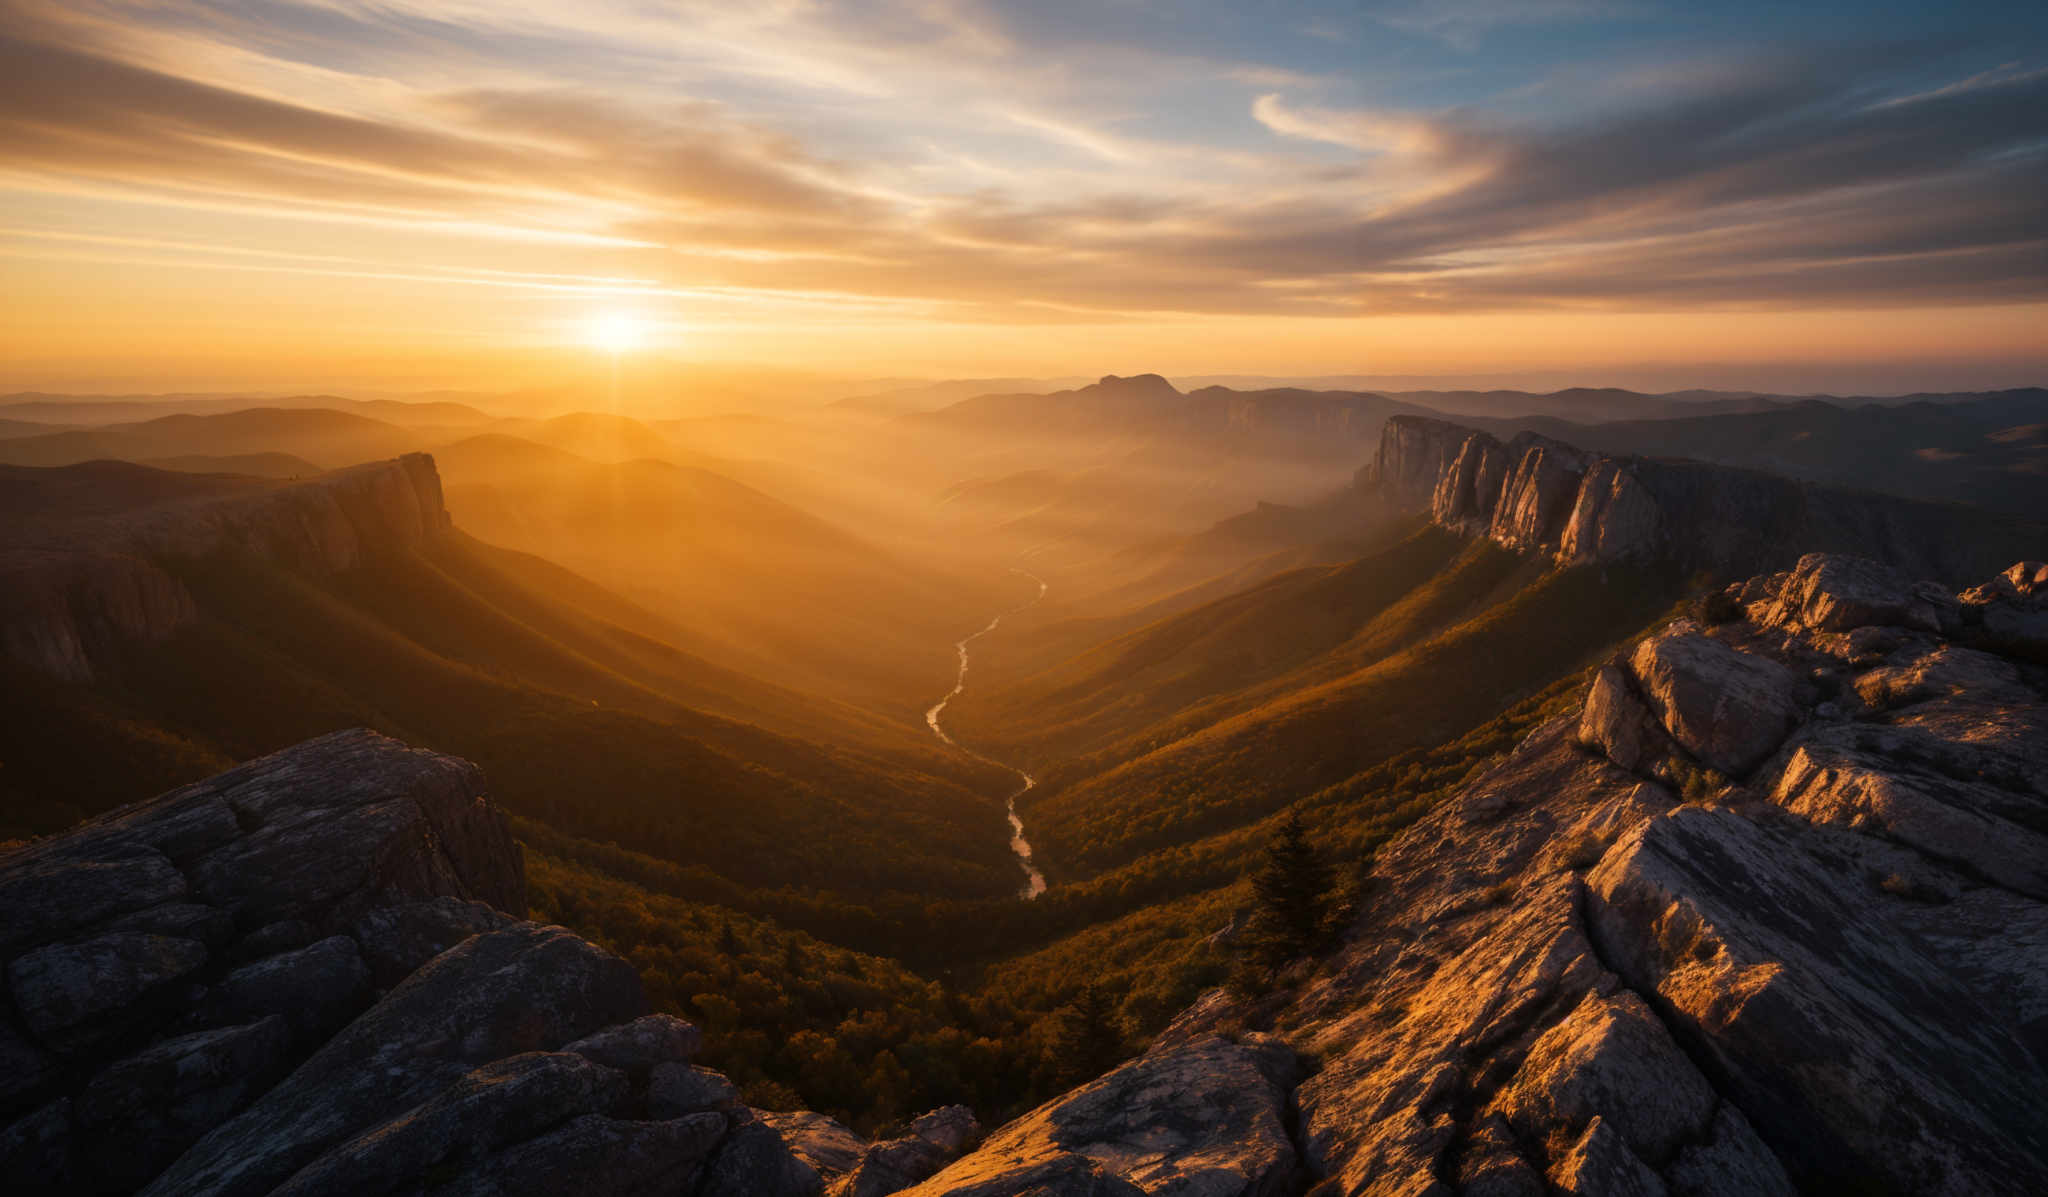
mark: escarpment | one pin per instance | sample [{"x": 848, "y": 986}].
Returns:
[
  {"x": 1535, "y": 494},
  {"x": 311, "y": 975},
  {"x": 1763, "y": 913},
  {"x": 78, "y": 579}
]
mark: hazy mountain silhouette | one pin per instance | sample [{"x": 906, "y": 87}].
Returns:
[{"x": 326, "y": 437}]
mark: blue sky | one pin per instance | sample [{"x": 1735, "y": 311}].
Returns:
[{"x": 898, "y": 165}]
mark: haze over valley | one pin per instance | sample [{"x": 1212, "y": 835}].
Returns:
[{"x": 975, "y": 600}]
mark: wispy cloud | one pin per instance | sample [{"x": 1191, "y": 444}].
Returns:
[
  {"x": 971, "y": 158},
  {"x": 1463, "y": 23}
]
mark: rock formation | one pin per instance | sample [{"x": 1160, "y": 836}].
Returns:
[
  {"x": 1205, "y": 1116},
  {"x": 1765, "y": 913},
  {"x": 1535, "y": 494},
  {"x": 311, "y": 975},
  {"x": 77, "y": 579}
]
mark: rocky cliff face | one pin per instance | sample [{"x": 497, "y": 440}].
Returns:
[
  {"x": 1534, "y": 494},
  {"x": 74, "y": 584},
  {"x": 310, "y": 975},
  {"x": 1766, "y": 913}
]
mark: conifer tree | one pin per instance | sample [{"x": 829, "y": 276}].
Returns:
[
  {"x": 1293, "y": 890},
  {"x": 1090, "y": 1039}
]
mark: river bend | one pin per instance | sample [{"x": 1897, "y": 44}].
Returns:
[{"x": 1034, "y": 881}]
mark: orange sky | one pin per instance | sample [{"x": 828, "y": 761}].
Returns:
[{"x": 413, "y": 195}]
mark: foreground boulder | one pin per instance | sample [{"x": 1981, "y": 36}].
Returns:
[
  {"x": 1208, "y": 1116},
  {"x": 823, "y": 1145},
  {"x": 169, "y": 962},
  {"x": 310, "y": 977},
  {"x": 526, "y": 989},
  {"x": 1728, "y": 709},
  {"x": 925, "y": 1146}
]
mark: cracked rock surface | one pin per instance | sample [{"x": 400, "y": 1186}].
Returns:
[
  {"x": 310, "y": 975},
  {"x": 1824, "y": 969}
]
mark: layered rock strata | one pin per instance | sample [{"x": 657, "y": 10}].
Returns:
[
  {"x": 76, "y": 584},
  {"x": 1535, "y": 494}
]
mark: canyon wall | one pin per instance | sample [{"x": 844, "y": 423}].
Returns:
[
  {"x": 1535, "y": 494},
  {"x": 75, "y": 583}
]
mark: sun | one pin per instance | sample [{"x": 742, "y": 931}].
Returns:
[{"x": 615, "y": 332}]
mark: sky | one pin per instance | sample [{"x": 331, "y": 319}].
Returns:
[{"x": 333, "y": 194}]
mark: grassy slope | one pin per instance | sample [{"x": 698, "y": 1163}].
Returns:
[
  {"x": 755, "y": 583},
  {"x": 1106, "y": 693},
  {"x": 442, "y": 659},
  {"x": 1461, "y": 646},
  {"x": 486, "y": 594},
  {"x": 67, "y": 752}
]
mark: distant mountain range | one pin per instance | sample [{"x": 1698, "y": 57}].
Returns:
[{"x": 692, "y": 657}]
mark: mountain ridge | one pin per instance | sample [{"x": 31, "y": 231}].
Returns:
[
  {"x": 75, "y": 579},
  {"x": 1533, "y": 493}
]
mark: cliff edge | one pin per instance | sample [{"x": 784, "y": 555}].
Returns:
[
  {"x": 81, "y": 556},
  {"x": 1535, "y": 494}
]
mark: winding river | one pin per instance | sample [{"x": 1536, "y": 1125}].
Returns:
[{"x": 1034, "y": 881}]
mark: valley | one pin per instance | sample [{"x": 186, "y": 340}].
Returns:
[
  {"x": 1034, "y": 881},
  {"x": 699, "y": 681},
  {"x": 978, "y": 598}
]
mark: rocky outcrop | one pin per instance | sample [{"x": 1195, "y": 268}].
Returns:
[
  {"x": 2010, "y": 612},
  {"x": 925, "y": 1146},
  {"x": 311, "y": 976},
  {"x": 78, "y": 582},
  {"x": 62, "y": 611},
  {"x": 1764, "y": 914},
  {"x": 1729, "y": 709},
  {"x": 1205, "y": 1116},
  {"x": 1534, "y": 494},
  {"x": 168, "y": 962},
  {"x": 1416, "y": 455},
  {"x": 822, "y": 1144}
]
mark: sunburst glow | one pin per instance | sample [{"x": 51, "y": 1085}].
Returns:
[{"x": 616, "y": 332}]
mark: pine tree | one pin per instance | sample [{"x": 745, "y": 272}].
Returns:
[
  {"x": 1090, "y": 1040},
  {"x": 1292, "y": 888}
]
